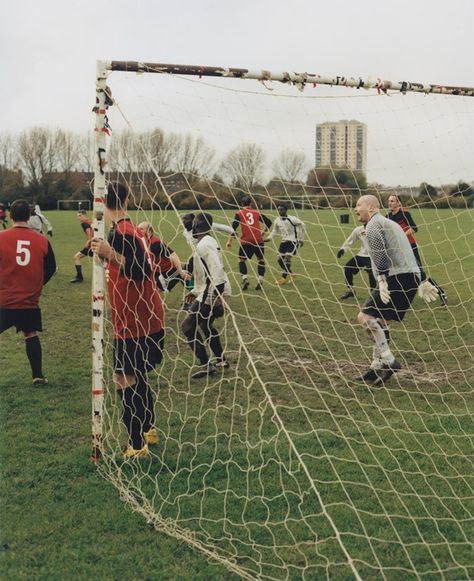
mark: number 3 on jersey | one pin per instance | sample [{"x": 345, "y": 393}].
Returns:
[
  {"x": 23, "y": 254},
  {"x": 250, "y": 219}
]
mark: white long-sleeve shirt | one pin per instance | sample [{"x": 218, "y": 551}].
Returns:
[
  {"x": 290, "y": 228},
  {"x": 38, "y": 222},
  {"x": 209, "y": 270},
  {"x": 357, "y": 235},
  {"x": 216, "y": 227}
]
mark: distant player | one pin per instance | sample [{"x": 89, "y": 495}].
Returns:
[
  {"x": 39, "y": 222},
  {"x": 137, "y": 320},
  {"x": 27, "y": 263},
  {"x": 167, "y": 265},
  {"x": 250, "y": 221},
  {"x": 86, "y": 226},
  {"x": 211, "y": 285},
  {"x": 405, "y": 220},
  {"x": 398, "y": 277},
  {"x": 3, "y": 216},
  {"x": 358, "y": 262},
  {"x": 292, "y": 232}
]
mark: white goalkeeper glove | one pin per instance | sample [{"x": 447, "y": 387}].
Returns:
[
  {"x": 427, "y": 291},
  {"x": 383, "y": 289}
]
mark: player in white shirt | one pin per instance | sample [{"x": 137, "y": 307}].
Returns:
[
  {"x": 39, "y": 222},
  {"x": 358, "y": 262},
  {"x": 292, "y": 232},
  {"x": 211, "y": 285}
]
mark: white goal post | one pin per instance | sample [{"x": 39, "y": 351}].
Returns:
[
  {"x": 284, "y": 465},
  {"x": 73, "y": 205}
]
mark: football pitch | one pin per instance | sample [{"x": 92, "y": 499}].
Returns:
[{"x": 391, "y": 468}]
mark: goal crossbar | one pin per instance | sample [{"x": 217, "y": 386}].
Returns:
[{"x": 300, "y": 80}]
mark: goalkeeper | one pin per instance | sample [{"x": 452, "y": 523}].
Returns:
[{"x": 398, "y": 276}]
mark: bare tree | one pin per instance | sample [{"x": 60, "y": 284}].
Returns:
[
  {"x": 85, "y": 144},
  {"x": 37, "y": 153},
  {"x": 8, "y": 151},
  {"x": 291, "y": 166},
  {"x": 67, "y": 149},
  {"x": 243, "y": 166},
  {"x": 193, "y": 156}
]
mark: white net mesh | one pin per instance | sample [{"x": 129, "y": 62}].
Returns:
[{"x": 284, "y": 465}]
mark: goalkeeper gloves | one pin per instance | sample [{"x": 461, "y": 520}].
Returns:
[
  {"x": 427, "y": 291},
  {"x": 383, "y": 289},
  {"x": 340, "y": 252}
]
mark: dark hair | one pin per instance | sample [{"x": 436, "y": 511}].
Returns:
[
  {"x": 188, "y": 220},
  {"x": 202, "y": 223},
  {"x": 116, "y": 197},
  {"x": 282, "y": 207},
  {"x": 83, "y": 212},
  {"x": 246, "y": 201},
  {"x": 20, "y": 211}
]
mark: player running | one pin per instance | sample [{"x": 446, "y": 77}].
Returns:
[
  {"x": 86, "y": 226},
  {"x": 292, "y": 232},
  {"x": 250, "y": 221}
]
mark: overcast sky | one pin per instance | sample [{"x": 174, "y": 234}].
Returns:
[{"x": 48, "y": 51}]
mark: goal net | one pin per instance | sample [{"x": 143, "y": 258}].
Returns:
[{"x": 285, "y": 465}]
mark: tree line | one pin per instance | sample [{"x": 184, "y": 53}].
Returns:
[{"x": 48, "y": 165}]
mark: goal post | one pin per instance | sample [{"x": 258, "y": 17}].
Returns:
[{"x": 285, "y": 465}]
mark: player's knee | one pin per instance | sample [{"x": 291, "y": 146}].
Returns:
[
  {"x": 29, "y": 334},
  {"x": 188, "y": 326},
  {"x": 122, "y": 381},
  {"x": 363, "y": 319}
]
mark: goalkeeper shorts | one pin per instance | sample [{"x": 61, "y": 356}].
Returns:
[{"x": 402, "y": 289}]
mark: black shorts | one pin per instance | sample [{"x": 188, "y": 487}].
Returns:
[
  {"x": 288, "y": 247},
  {"x": 249, "y": 250},
  {"x": 132, "y": 356},
  {"x": 86, "y": 251},
  {"x": 27, "y": 320},
  {"x": 402, "y": 289}
]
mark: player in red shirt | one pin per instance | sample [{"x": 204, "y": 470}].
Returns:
[
  {"x": 137, "y": 319},
  {"x": 27, "y": 263},
  {"x": 250, "y": 221},
  {"x": 86, "y": 226},
  {"x": 404, "y": 219},
  {"x": 167, "y": 265}
]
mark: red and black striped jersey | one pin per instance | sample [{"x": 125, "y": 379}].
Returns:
[{"x": 405, "y": 220}]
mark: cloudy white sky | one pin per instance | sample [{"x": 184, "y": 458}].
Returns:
[{"x": 48, "y": 51}]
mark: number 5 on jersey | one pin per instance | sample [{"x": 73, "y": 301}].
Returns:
[{"x": 23, "y": 254}]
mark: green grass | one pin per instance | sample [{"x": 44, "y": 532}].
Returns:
[{"x": 391, "y": 468}]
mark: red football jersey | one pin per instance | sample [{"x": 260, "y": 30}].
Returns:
[
  {"x": 136, "y": 306},
  {"x": 161, "y": 264},
  {"x": 22, "y": 254},
  {"x": 86, "y": 225},
  {"x": 250, "y": 222}
]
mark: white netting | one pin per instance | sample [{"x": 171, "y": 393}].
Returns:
[{"x": 284, "y": 465}]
